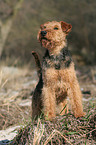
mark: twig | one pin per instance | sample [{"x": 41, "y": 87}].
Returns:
[
  {"x": 84, "y": 135},
  {"x": 52, "y": 134}
]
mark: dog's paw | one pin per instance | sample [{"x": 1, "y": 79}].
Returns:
[
  {"x": 77, "y": 115},
  {"x": 50, "y": 117}
]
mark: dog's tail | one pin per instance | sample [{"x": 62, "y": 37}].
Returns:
[{"x": 38, "y": 64}]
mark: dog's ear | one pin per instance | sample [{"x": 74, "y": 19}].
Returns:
[{"x": 66, "y": 27}]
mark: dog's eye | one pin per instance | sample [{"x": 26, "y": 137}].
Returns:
[
  {"x": 55, "y": 28},
  {"x": 43, "y": 27}
]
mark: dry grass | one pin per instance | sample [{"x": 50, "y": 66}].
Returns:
[
  {"x": 38, "y": 132},
  {"x": 15, "y": 86}
]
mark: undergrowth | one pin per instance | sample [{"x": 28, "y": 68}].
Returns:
[{"x": 62, "y": 130}]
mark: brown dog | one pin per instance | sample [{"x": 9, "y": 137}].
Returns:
[{"x": 57, "y": 78}]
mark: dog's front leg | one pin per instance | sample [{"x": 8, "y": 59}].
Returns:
[
  {"x": 49, "y": 102},
  {"x": 50, "y": 77},
  {"x": 76, "y": 98}
]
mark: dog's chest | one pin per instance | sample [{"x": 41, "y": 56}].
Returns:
[{"x": 61, "y": 61}]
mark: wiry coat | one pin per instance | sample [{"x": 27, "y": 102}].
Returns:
[{"x": 57, "y": 78}]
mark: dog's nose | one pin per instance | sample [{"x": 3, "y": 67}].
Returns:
[{"x": 43, "y": 33}]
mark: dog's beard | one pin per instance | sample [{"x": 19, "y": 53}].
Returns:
[{"x": 47, "y": 43}]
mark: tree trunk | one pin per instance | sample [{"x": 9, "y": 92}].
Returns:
[{"x": 5, "y": 26}]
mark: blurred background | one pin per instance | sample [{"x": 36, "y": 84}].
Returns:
[{"x": 20, "y": 21}]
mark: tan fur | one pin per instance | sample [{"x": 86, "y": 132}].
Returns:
[
  {"x": 57, "y": 38},
  {"x": 58, "y": 84}
]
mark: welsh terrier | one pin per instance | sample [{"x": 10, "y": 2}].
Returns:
[{"x": 57, "y": 77}]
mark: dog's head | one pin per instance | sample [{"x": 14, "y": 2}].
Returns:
[{"x": 53, "y": 33}]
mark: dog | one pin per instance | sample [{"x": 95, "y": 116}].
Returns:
[{"x": 57, "y": 76}]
